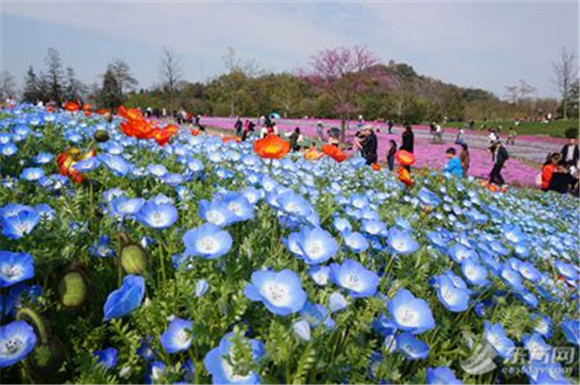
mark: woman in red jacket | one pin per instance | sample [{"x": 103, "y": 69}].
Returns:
[{"x": 548, "y": 169}]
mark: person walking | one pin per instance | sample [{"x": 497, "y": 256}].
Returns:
[
  {"x": 499, "y": 157},
  {"x": 391, "y": 154},
  {"x": 511, "y": 139},
  {"x": 459, "y": 138},
  {"x": 408, "y": 139},
  {"x": 464, "y": 158},
  {"x": 238, "y": 126},
  {"x": 296, "y": 139},
  {"x": 390, "y": 125},
  {"x": 369, "y": 145},
  {"x": 320, "y": 131}
]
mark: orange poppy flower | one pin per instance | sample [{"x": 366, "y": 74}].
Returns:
[
  {"x": 405, "y": 158},
  {"x": 67, "y": 159},
  {"x": 71, "y": 106},
  {"x": 405, "y": 176},
  {"x": 161, "y": 136},
  {"x": 493, "y": 188},
  {"x": 86, "y": 107},
  {"x": 271, "y": 147},
  {"x": 131, "y": 113},
  {"x": 102, "y": 111},
  {"x": 226, "y": 139},
  {"x": 334, "y": 152},
  {"x": 376, "y": 166},
  {"x": 172, "y": 129},
  {"x": 195, "y": 132}
]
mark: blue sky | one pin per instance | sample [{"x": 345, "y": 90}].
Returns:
[{"x": 480, "y": 44}]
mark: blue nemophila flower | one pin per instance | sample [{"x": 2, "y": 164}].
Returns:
[
  {"x": 15, "y": 267},
  {"x": 239, "y": 206},
  {"x": 355, "y": 241},
  {"x": 222, "y": 365},
  {"x": 341, "y": 224},
  {"x": 409, "y": 313},
  {"x": 319, "y": 274},
  {"x": 294, "y": 204},
  {"x": 107, "y": 358},
  {"x": 20, "y": 224},
  {"x": 511, "y": 276},
  {"x": 124, "y": 206},
  {"x": 301, "y": 329},
  {"x": 428, "y": 197},
  {"x": 571, "y": 329},
  {"x": 317, "y": 314},
  {"x": 441, "y": 375},
  {"x": 475, "y": 273},
  {"x": 358, "y": 280},
  {"x": 337, "y": 302},
  {"x": 157, "y": 170},
  {"x": 314, "y": 245},
  {"x": 373, "y": 227},
  {"x": 537, "y": 348},
  {"x": 157, "y": 216},
  {"x": 281, "y": 292},
  {"x": 529, "y": 271},
  {"x": 401, "y": 241},
  {"x": 32, "y": 174},
  {"x": 216, "y": 212},
  {"x": 411, "y": 347},
  {"x": 178, "y": 336},
  {"x": 87, "y": 165},
  {"x": 17, "y": 340},
  {"x": 201, "y": 287},
  {"x": 43, "y": 158},
  {"x": 125, "y": 299},
  {"x": 208, "y": 241},
  {"x": 102, "y": 247},
  {"x": 459, "y": 253},
  {"x": 116, "y": 163},
  {"x": 155, "y": 372},
  {"x": 495, "y": 335},
  {"x": 453, "y": 298},
  {"x": 542, "y": 325},
  {"x": 568, "y": 270},
  {"x": 8, "y": 149}
]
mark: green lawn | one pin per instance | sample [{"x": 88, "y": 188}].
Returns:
[{"x": 555, "y": 128}]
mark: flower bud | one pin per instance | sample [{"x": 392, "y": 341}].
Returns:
[
  {"x": 72, "y": 289},
  {"x": 101, "y": 136},
  {"x": 133, "y": 259}
]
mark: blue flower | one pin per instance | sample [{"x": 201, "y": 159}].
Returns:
[
  {"x": 571, "y": 329},
  {"x": 43, "y": 158},
  {"x": 460, "y": 253},
  {"x": 355, "y": 241},
  {"x": 428, "y": 197},
  {"x": 281, "y": 292},
  {"x": 124, "y": 206},
  {"x": 208, "y": 241},
  {"x": 411, "y": 347},
  {"x": 358, "y": 280},
  {"x": 102, "y": 247},
  {"x": 17, "y": 340},
  {"x": 116, "y": 163},
  {"x": 157, "y": 216},
  {"x": 155, "y": 372},
  {"x": 125, "y": 299},
  {"x": 221, "y": 362},
  {"x": 409, "y": 313},
  {"x": 145, "y": 351},
  {"x": 384, "y": 326},
  {"x": 87, "y": 165},
  {"x": 319, "y": 274},
  {"x": 453, "y": 298},
  {"x": 18, "y": 225},
  {"x": 342, "y": 224},
  {"x": 542, "y": 325},
  {"x": 337, "y": 302},
  {"x": 441, "y": 375},
  {"x": 495, "y": 335},
  {"x": 373, "y": 227},
  {"x": 15, "y": 267},
  {"x": 216, "y": 212},
  {"x": 201, "y": 287},
  {"x": 239, "y": 206},
  {"x": 178, "y": 336},
  {"x": 314, "y": 245},
  {"x": 302, "y": 329},
  {"x": 316, "y": 314},
  {"x": 474, "y": 272},
  {"x": 107, "y": 358},
  {"x": 32, "y": 174},
  {"x": 401, "y": 241}
]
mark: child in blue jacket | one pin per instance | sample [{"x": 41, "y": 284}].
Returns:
[{"x": 454, "y": 165}]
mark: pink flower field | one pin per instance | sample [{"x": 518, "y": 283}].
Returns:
[{"x": 428, "y": 154}]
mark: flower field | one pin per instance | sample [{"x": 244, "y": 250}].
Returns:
[{"x": 139, "y": 254}]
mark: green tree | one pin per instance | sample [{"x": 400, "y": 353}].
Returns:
[{"x": 109, "y": 96}]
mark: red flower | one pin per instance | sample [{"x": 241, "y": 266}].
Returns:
[
  {"x": 67, "y": 159},
  {"x": 405, "y": 158},
  {"x": 71, "y": 106},
  {"x": 334, "y": 152},
  {"x": 405, "y": 176},
  {"x": 376, "y": 166},
  {"x": 271, "y": 147}
]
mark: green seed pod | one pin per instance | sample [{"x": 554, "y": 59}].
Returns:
[
  {"x": 72, "y": 289},
  {"x": 101, "y": 136},
  {"x": 133, "y": 259}
]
